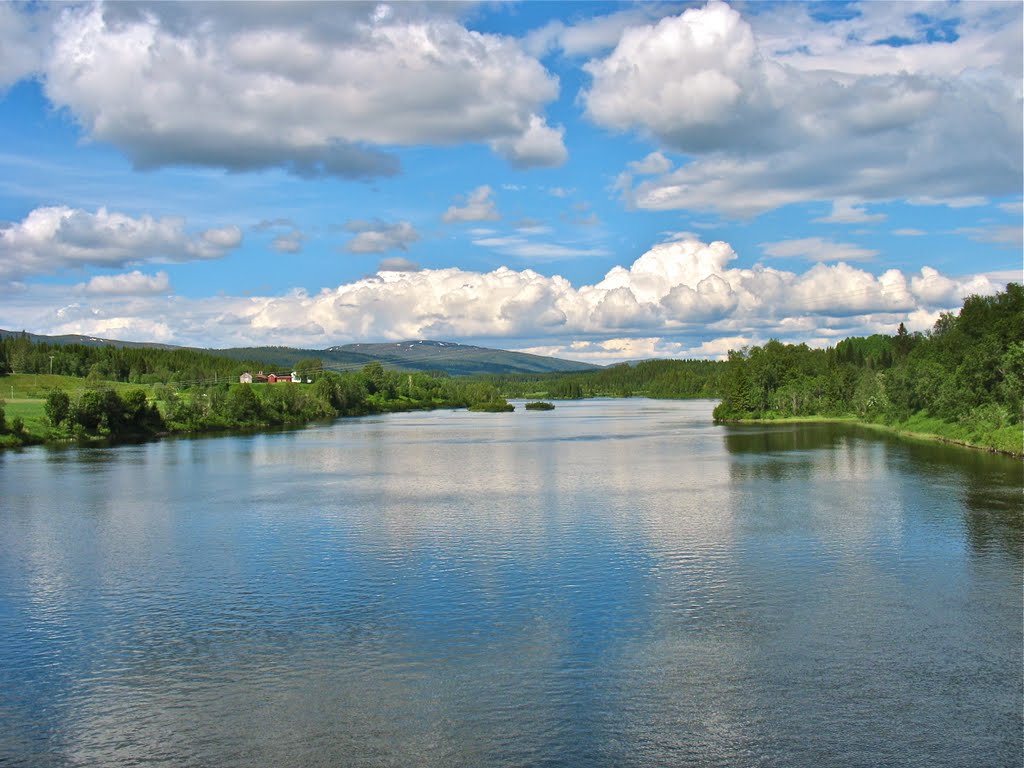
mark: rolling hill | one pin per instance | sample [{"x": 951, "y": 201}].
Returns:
[
  {"x": 88, "y": 341},
  {"x": 418, "y": 355}
]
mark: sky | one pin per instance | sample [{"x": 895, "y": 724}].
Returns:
[{"x": 594, "y": 181}]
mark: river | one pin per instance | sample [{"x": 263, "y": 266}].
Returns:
[{"x": 612, "y": 583}]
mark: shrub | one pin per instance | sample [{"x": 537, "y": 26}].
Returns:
[{"x": 58, "y": 406}]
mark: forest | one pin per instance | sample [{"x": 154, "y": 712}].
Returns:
[
  {"x": 651, "y": 378},
  {"x": 102, "y": 411},
  {"x": 962, "y": 380},
  {"x": 135, "y": 365}
]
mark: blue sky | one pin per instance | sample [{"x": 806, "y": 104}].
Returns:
[{"x": 597, "y": 181}]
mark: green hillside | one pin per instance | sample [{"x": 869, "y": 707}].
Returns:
[
  {"x": 421, "y": 355},
  {"x": 86, "y": 341},
  {"x": 410, "y": 356},
  {"x": 458, "y": 359}
]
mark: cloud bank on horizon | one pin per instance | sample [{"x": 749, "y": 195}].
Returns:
[{"x": 670, "y": 180}]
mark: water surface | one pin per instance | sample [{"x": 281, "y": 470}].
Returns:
[{"x": 612, "y": 583}]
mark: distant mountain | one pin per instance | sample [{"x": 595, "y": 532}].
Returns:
[
  {"x": 459, "y": 358},
  {"x": 89, "y": 341},
  {"x": 418, "y": 355},
  {"x": 286, "y": 357}
]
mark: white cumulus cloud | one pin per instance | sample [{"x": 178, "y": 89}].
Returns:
[
  {"x": 587, "y": 36},
  {"x": 685, "y": 298},
  {"x": 134, "y": 283},
  {"x": 379, "y": 237},
  {"x": 478, "y": 207},
  {"x": 315, "y": 88},
  {"x": 52, "y": 239},
  {"x": 783, "y": 108},
  {"x": 539, "y": 145},
  {"x": 289, "y": 242},
  {"x": 846, "y": 211},
  {"x": 23, "y": 43}
]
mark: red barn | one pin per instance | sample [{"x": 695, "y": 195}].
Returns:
[{"x": 284, "y": 378}]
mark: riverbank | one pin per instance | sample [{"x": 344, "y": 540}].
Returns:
[
  {"x": 1008, "y": 440},
  {"x": 69, "y": 409}
]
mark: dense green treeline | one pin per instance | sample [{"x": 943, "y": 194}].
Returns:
[
  {"x": 652, "y": 378},
  {"x": 136, "y": 365},
  {"x": 962, "y": 380},
  {"x": 374, "y": 389},
  {"x": 100, "y": 412}
]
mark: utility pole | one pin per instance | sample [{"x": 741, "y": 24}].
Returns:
[{"x": 51, "y": 365}]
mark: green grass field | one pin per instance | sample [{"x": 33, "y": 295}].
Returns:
[
  {"x": 23, "y": 395},
  {"x": 28, "y": 410},
  {"x": 19, "y": 386}
]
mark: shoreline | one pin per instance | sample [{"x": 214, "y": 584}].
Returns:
[{"x": 896, "y": 431}]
